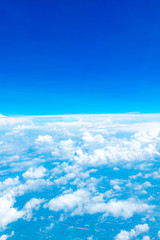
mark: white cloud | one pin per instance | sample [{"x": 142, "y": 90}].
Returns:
[
  {"x": 30, "y": 185},
  {"x": 13, "y": 120},
  {"x": 146, "y": 238},
  {"x": 136, "y": 176},
  {"x": 125, "y": 208},
  {"x": 92, "y": 140},
  {"x": 6, "y": 236},
  {"x": 35, "y": 173},
  {"x": 116, "y": 182},
  {"x": 83, "y": 151},
  {"x": 143, "y": 186},
  {"x": 81, "y": 202},
  {"x": 116, "y": 187},
  {"x": 156, "y": 174},
  {"x": 9, "y": 182},
  {"x": 8, "y": 213},
  {"x": 69, "y": 201},
  {"x": 159, "y": 234},
  {"x": 117, "y": 151},
  {"x": 50, "y": 226},
  {"x": 44, "y": 139},
  {"x": 32, "y": 204},
  {"x": 138, "y": 229},
  {"x": 116, "y": 169},
  {"x": 90, "y": 238}
]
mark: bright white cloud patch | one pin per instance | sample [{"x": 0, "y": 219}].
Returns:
[
  {"x": 6, "y": 236},
  {"x": 138, "y": 229},
  {"x": 35, "y": 173},
  {"x": 146, "y": 238},
  {"x": 82, "y": 201},
  {"x": 8, "y": 213},
  {"x": 44, "y": 139},
  {"x": 85, "y": 176},
  {"x": 32, "y": 204}
]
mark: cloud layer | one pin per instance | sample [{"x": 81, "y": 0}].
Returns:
[{"x": 84, "y": 174}]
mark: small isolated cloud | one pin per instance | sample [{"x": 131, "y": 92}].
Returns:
[
  {"x": 6, "y": 236},
  {"x": 146, "y": 238},
  {"x": 138, "y": 229},
  {"x": 50, "y": 226},
  {"x": 156, "y": 174},
  {"x": 44, "y": 139}
]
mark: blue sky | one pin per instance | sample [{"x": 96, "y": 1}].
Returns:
[{"x": 60, "y": 57}]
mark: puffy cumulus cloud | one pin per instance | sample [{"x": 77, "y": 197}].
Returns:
[
  {"x": 93, "y": 141},
  {"x": 126, "y": 208},
  {"x": 143, "y": 186},
  {"x": 9, "y": 182},
  {"x": 87, "y": 140},
  {"x": 32, "y": 204},
  {"x": 69, "y": 201},
  {"x": 98, "y": 158},
  {"x": 147, "y": 136},
  {"x": 66, "y": 146},
  {"x": 117, "y": 152},
  {"x": 117, "y": 182},
  {"x": 82, "y": 201},
  {"x": 71, "y": 172},
  {"x": 85, "y": 159},
  {"x": 136, "y": 176},
  {"x": 146, "y": 238},
  {"x": 138, "y": 229},
  {"x": 91, "y": 144},
  {"x": 29, "y": 186},
  {"x": 64, "y": 150},
  {"x": 35, "y": 173},
  {"x": 6, "y": 236},
  {"x": 116, "y": 187},
  {"x": 8, "y": 213},
  {"x": 159, "y": 234},
  {"x": 44, "y": 139},
  {"x": 156, "y": 174}
]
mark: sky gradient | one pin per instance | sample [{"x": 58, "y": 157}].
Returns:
[{"x": 67, "y": 57}]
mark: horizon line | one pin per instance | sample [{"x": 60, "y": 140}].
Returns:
[{"x": 77, "y": 114}]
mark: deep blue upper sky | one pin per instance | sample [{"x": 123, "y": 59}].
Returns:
[{"x": 84, "y": 56}]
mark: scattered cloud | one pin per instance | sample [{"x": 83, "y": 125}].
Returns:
[
  {"x": 35, "y": 173},
  {"x": 138, "y": 229},
  {"x": 78, "y": 166},
  {"x": 6, "y": 236}
]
